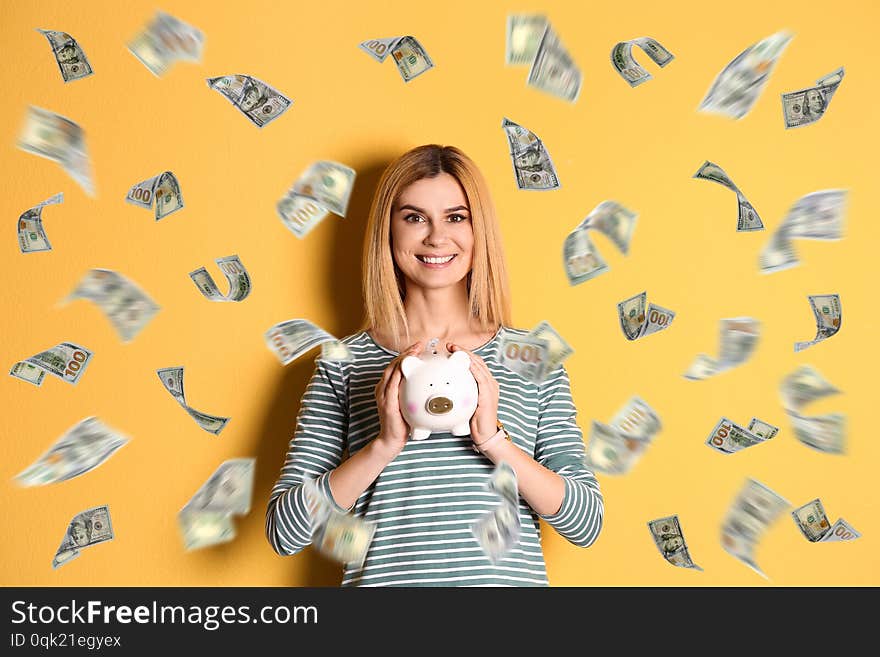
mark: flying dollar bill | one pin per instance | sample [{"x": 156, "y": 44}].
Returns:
[
  {"x": 614, "y": 221},
  {"x": 290, "y": 339},
  {"x": 738, "y": 339},
  {"x": 31, "y": 235},
  {"x": 236, "y": 275},
  {"x": 127, "y": 307},
  {"x": 636, "y": 323},
  {"x": 728, "y": 437},
  {"x": 827, "y": 311},
  {"x": 553, "y": 70},
  {"x": 532, "y": 166},
  {"x": 735, "y": 90},
  {"x": 81, "y": 449},
  {"x": 498, "y": 530},
  {"x": 557, "y": 348},
  {"x": 172, "y": 379},
  {"x": 323, "y": 188},
  {"x": 579, "y": 255},
  {"x": 816, "y": 216},
  {"x": 524, "y": 34},
  {"x": 804, "y": 386},
  {"x": 206, "y": 519},
  {"x": 813, "y": 522},
  {"x": 807, "y": 106},
  {"x": 747, "y": 218},
  {"x": 669, "y": 539},
  {"x": 69, "y": 55},
  {"x": 252, "y": 97},
  {"x": 67, "y": 361},
  {"x": 59, "y": 139},
  {"x": 630, "y": 70},
  {"x": 824, "y": 433},
  {"x": 614, "y": 448},
  {"x": 753, "y": 510},
  {"x": 525, "y": 355},
  {"x": 163, "y": 189},
  {"x": 336, "y": 350},
  {"x": 166, "y": 40},
  {"x": 342, "y": 537},
  {"x": 87, "y": 528},
  {"x": 408, "y": 54}
]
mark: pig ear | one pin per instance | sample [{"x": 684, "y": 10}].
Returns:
[
  {"x": 460, "y": 360},
  {"x": 409, "y": 365}
]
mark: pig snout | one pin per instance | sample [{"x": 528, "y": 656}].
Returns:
[{"x": 439, "y": 405}]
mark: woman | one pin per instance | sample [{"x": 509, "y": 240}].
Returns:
[{"x": 433, "y": 267}]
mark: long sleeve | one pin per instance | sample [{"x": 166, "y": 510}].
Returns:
[
  {"x": 315, "y": 449},
  {"x": 560, "y": 447}
]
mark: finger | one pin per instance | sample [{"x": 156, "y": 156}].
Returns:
[{"x": 391, "y": 391}]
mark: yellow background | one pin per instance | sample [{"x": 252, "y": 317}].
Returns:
[{"x": 637, "y": 146}]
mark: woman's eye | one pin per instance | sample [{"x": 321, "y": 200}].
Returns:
[
  {"x": 412, "y": 218},
  {"x": 459, "y": 218}
]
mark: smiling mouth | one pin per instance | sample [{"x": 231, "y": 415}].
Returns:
[{"x": 432, "y": 260}]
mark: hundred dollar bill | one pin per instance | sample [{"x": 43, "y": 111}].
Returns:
[
  {"x": 728, "y": 437},
  {"x": 581, "y": 259},
  {"x": 777, "y": 255},
  {"x": 526, "y": 355},
  {"x": 524, "y": 34},
  {"x": 165, "y": 40},
  {"x": 172, "y": 379},
  {"x": 827, "y": 311},
  {"x": 629, "y": 69},
  {"x": 408, "y": 54},
  {"x": 290, "y": 339},
  {"x": 614, "y": 448},
  {"x": 31, "y": 235},
  {"x": 807, "y": 106},
  {"x": 636, "y": 323},
  {"x": 69, "y": 54},
  {"x": 636, "y": 419},
  {"x": 127, "y": 307},
  {"x": 813, "y": 522},
  {"x": 669, "y": 539},
  {"x": 762, "y": 429},
  {"x": 205, "y": 529},
  {"x": 342, "y": 537},
  {"x": 66, "y": 360},
  {"x": 81, "y": 449},
  {"x": 803, "y": 386},
  {"x": 87, "y": 528},
  {"x": 753, "y": 510},
  {"x": 336, "y": 351},
  {"x": 557, "y": 348},
  {"x": 252, "y": 97},
  {"x": 324, "y": 187},
  {"x": 236, "y": 275},
  {"x": 734, "y": 91},
  {"x": 498, "y": 531},
  {"x": 748, "y": 218},
  {"x": 163, "y": 188},
  {"x": 614, "y": 221},
  {"x": 532, "y": 165},
  {"x": 824, "y": 433},
  {"x": 206, "y": 519},
  {"x": 553, "y": 70},
  {"x": 738, "y": 339},
  {"x": 59, "y": 139},
  {"x": 503, "y": 482}
]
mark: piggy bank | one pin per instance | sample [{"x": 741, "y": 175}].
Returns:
[{"x": 438, "y": 394}]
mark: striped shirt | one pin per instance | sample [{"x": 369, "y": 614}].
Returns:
[{"x": 425, "y": 501}]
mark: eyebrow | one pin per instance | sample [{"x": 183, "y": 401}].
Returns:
[{"x": 417, "y": 209}]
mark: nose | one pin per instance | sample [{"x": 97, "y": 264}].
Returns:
[{"x": 438, "y": 405}]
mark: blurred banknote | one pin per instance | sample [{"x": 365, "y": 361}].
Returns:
[
  {"x": 59, "y": 139},
  {"x": 207, "y": 518},
  {"x": 630, "y": 70},
  {"x": 738, "y": 339},
  {"x": 532, "y": 166},
  {"x": 290, "y": 339},
  {"x": 827, "y": 311},
  {"x": 163, "y": 189},
  {"x": 824, "y": 433},
  {"x": 342, "y": 537},
  {"x": 813, "y": 522},
  {"x": 636, "y": 323},
  {"x": 525, "y": 355},
  {"x": 803, "y": 386},
  {"x": 408, "y": 54},
  {"x": 735, "y": 90},
  {"x": 31, "y": 236},
  {"x": 252, "y": 97},
  {"x": 532, "y": 41},
  {"x": 747, "y": 218},
  {"x": 753, "y": 510},
  {"x": 616, "y": 447},
  {"x": 807, "y": 106},
  {"x": 127, "y": 307},
  {"x": 336, "y": 350},
  {"x": 236, "y": 275},
  {"x": 172, "y": 379},
  {"x": 82, "y": 448},
  {"x": 165, "y": 40},
  {"x": 581, "y": 259},
  {"x": 816, "y": 216},
  {"x": 498, "y": 530},
  {"x": 87, "y": 528},
  {"x": 728, "y": 437},
  {"x": 669, "y": 539},
  {"x": 323, "y": 188},
  {"x": 557, "y": 348},
  {"x": 69, "y": 54},
  {"x": 66, "y": 360}
]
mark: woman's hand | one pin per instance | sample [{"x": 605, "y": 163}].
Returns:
[
  {"x": 484, "y": 421},
  {"x": 393, "y": 429}
]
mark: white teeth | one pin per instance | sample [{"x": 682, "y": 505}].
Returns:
[{"x": 436, "y": 261}]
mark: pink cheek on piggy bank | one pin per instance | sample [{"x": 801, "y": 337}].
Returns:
[
  {"x": 411, "y": 407},
  {"x": 467, "y": 401}
]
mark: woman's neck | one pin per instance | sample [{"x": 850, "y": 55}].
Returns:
[{"x": 438, "y": 312}]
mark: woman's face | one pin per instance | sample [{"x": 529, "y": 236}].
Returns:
[{"x": 431, "y": 218}]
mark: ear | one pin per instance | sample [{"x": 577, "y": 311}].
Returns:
[
  {"x": 460, "y": 360},
  {"x": 409, "y": 365}
]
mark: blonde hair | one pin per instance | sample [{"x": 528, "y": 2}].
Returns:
[{"x": 384, "y": 286}]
